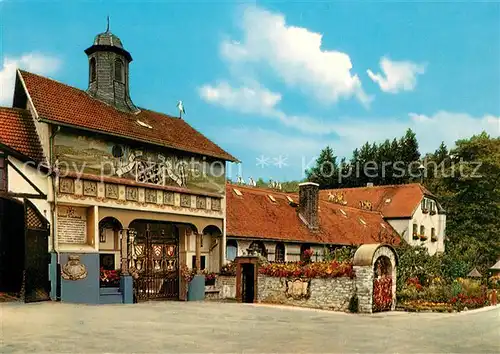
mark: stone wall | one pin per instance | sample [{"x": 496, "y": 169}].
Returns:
[{"x": 331, "y": 294}]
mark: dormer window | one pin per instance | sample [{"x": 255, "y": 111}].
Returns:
[
  {"x": 425, "y": 205},
  {"x": 119, "y": 70},
  {"x": 92, "y": 70}
]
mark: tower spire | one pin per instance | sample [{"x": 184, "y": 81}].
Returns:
[{"x": 107, "y": 27}]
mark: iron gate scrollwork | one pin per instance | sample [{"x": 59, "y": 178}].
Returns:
[{"x": 155, "y": 258}]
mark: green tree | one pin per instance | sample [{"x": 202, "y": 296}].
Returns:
[
  {"x": 325, "y": 170},
  {"x": 469, "y": 190}
]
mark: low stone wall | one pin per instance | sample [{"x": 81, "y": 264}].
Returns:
[{"x": 329, "y": 293}]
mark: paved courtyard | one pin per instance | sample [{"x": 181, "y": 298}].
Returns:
[{"x": 229, "y": 327}]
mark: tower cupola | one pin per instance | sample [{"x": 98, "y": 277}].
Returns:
[{"x": 109, "y": 72}]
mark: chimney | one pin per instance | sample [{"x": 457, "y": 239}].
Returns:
[
  {"x": 308, "y": 204},
  {"x": 369, "y": 184}
]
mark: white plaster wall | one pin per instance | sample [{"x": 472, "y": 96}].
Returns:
[
  {"x": 18, "y": 184},
  {"x": 429, "y": 221},
  {"x": 404, "y": 228}
]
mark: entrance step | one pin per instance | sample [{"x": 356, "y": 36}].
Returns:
[{"x": 110, "y": 296}]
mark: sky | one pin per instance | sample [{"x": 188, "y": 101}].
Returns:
[{"x": 273, "y": 83}]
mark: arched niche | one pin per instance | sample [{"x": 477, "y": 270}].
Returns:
[{"x": 375, "y": 265}]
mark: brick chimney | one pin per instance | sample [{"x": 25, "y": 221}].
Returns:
[{"x": 308, "y": 204}]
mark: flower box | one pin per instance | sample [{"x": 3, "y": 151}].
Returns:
[
  {"x": 423, "y": 237},
  {"x": 434, "y": 238},
  {"x": 425, "y": 211},
  {"x": 415, "y": 236},
  {"x": 432, "y": 212}
]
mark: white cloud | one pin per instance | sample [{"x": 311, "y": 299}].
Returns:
[
  {"x": 245, "y": 99},
  {"x": 34, "y": 62},
  {"x": 256, "y": 99},
  {"x": 295, "y": 55},
  {"x": 397, "y": 75}
]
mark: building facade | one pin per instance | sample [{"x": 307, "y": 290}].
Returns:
[
  {"x": 413, "y": 211},
  {"x": 111, "y": 181},
  {"x": 283, "y": 225}
]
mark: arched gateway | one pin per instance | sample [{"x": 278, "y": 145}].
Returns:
[{"x": 375, "y": 267}]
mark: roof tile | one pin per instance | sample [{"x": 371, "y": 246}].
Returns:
[
  {"x": 60, "y": 103},
  {"x": 18, "y": 132},
  {"x": 254, "y": 215}
]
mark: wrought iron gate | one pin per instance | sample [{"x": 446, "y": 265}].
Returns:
[
  {"x": 156, "y": 258},
  {"x": 36, "y": 258}
]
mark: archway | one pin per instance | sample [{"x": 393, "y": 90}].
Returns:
[
  {"x": 212, "y": 248},
  {"x": 109, "y": 251},
  {"x": 154, "y": 259},
  {"x": 375, "y": 268}
]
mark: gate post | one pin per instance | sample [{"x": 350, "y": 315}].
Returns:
[{"x": 126, "y": 282}]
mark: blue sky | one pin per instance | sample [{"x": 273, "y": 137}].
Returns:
[{"x": 278, "y": 81}]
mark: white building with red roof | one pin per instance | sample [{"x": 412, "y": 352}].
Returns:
[{"x": 95, "y": 179}]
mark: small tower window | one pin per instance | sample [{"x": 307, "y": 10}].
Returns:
[
  {"x": 119, "y": 74},
  {"x": 92, "y": 69}
]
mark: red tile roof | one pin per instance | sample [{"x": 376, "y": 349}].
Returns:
[
  {"x": 18, "y": 132},
  {"x": 254, "y": 215},
  {"x": 59, "y": 103},
  {"x": 393, "y": 201}
]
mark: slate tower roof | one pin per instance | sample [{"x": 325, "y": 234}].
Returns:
[{"x": 109, "y": 64}]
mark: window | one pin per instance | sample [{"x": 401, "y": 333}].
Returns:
[
  {"x": 415, "y": 231},
  {"x": 259, "y": 245},
  {"x": 3, "y": 174},
  {"x": 279, "y": 254},
  {"x": 231, "y": 250},
  {"x": 92, "y": 69},
  {"x": 202, "y": 262},
  {"x": 422, "y": 230},
  {"x": 433, "y": 234},
  {"x": 119, "y": 70},
  {"x": 425, "y": 205}
]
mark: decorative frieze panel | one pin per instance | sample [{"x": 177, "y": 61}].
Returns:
[
  {"x": 215, "y": 203},
  {"x": 90, "y": 188},
  {"x": 150, "y": 196},
  {"x": 67, "y": 185},
  {"x": 132, "y": 194},
  {"x": 185, "y": 200},
  {"x": 168, "y": 198},
  {"x": 201, "y": 202},
  {"x": 112, "y": 191}
]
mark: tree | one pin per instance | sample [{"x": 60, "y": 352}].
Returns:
[
  {"x": 325, "y": 170},
  {"x": 469, "y": 190}
]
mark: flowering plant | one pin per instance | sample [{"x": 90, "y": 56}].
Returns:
[
  {"x": 110, "y": 278},
  {"x": 210, "y": 277},
  {"x": 228, "y": 269},
  {"x": 331, "y": 269},
  {"x": 307, "y": 254},
  {"x": 186, "y": 273},
  {"x": 382, "y": 293}
]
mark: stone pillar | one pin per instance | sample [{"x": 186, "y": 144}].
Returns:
[
  {"x": 198, "y": 253},
  {"x": 308, "y": 203},
  {"x": 364, "y": 288},
  {"x": 124, "y": 251}
]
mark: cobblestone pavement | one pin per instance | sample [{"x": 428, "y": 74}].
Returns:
[{"x": 229, "y": 327}]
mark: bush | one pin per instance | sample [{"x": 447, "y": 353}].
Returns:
[{"x": 354, "y": 304}]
